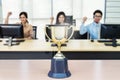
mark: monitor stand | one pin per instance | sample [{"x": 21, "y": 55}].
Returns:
[
  {"x": 10, "y": 43},
  {"x": 114, "y": 43}
]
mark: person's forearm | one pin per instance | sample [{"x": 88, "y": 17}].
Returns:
[
  {"x": 7, "y": 20},
  {"x": 83, "y": 29}
]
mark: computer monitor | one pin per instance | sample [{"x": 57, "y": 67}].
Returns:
[
  {"x": 11, "y": 31},
  {"x": 110, "y": 31}
]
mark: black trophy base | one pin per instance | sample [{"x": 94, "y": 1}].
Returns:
[{"x": 59, "y": 68}]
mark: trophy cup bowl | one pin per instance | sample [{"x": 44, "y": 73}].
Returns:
[{"x": 59, "y": 35}]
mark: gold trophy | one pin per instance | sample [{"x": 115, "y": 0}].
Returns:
[{"x": 59, "y": 35}]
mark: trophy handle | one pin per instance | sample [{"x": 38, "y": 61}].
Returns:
[
  {"x": 72, "y": 32},
  {"x": 46, "y": 33}
]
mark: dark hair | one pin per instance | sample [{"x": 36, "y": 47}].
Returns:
[
  {"x": 97, "y": 11},
  {"x": 25, "y": 14},
  {"x": 58, "y": 15}
]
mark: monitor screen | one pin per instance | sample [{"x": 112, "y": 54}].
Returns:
[
  {"x": 11, "y": 30},
  {"x": 110, "y": 31}
]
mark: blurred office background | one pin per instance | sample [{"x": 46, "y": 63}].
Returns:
[{"x": 40, "y": 11}]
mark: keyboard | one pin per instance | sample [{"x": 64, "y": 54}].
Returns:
[
  {"x": 17, "y": 40},
  {"x": 105, "y": 40}
]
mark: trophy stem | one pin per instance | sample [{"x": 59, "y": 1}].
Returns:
[{"x": 59, "y": 55}]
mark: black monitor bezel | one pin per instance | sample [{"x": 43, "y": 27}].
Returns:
[
  {"x": 12, "y": 26},
  {"x": 110, "y": 31}
]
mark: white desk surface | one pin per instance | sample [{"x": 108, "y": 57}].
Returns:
[{"x": 72, "y": 45}]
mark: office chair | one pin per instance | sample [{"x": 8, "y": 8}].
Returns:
[
  {"x": 34, "y": 32},
  {"x": 69, "y": 19}
]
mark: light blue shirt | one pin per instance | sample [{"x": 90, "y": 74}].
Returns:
[{"x": 93, "y": 29}]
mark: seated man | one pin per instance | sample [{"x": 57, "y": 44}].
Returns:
[{"x": 93, "y": 28}]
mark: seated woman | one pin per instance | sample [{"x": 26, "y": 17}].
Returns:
[
  {"x": 28, "y": 30},
  {"x": 60, "y": 20}
]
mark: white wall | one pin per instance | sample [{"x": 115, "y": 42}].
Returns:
[
  {"x": 41, "y": 8},
  {"x": 40, "y": 11},
  {"x": 62, "y": 5}
]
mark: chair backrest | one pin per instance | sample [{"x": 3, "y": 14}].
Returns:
[
  {"x": 34, "y": 32},
  {"x": 69, "y": 19}
]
